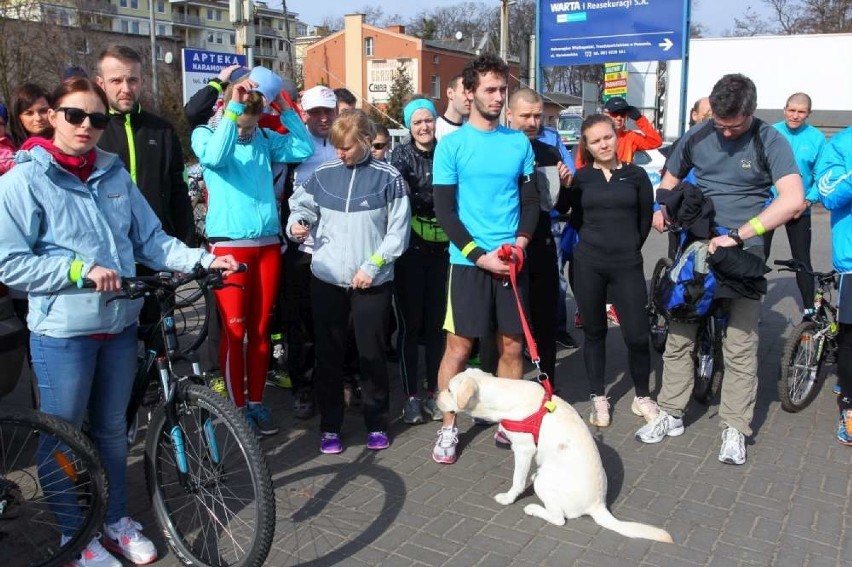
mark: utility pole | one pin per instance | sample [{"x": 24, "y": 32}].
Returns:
[
  {"x": 241, "y": 14},
  {"x": 291, "y": 67},
  {"x": 504, "y": 45},
  {"x": 155, "y": 86}
]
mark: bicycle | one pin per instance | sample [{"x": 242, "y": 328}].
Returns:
[
  {"x": 707, "y": 354},
  {"x": 53, "y": 489},
  {"x": 206, "y": 475},
  {"x": 811, "y": 343}
]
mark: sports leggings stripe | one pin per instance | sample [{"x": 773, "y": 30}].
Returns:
[{"x": 246, "y": 311}]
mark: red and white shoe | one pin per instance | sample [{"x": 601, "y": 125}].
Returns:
[
  {"x": 125, "y": 537},
  {"x": 94, "y": 555},
  {"x": 611, "y": 315}
]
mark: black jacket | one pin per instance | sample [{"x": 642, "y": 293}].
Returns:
[
  {"x": 415, "y": 165},
  {"x": 201, "y": 106},
  {"x": 151, "y": 152}
]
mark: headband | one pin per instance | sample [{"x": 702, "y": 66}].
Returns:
[{"x": 414, "y": 106}]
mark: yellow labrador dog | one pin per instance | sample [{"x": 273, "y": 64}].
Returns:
[{"x": 570, "y": 479}]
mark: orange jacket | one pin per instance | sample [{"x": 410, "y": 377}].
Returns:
[{"x": 629, "y": 141}]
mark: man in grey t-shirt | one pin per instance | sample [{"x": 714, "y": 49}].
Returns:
[{"x": 736, "y": 158}]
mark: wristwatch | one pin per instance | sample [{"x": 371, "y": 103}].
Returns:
[{"x": 734, "y": 234}]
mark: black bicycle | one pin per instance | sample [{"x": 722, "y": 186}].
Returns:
[
  {"x": 53, "y": 489},
  {"x": 811, "y": 344},
  {"x": 209, "y": 483},
  {"x": 707, "y": 354}
]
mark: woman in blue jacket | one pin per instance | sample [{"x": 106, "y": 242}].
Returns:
[
  {"x": 242, "y": 220},
  {"x": 70, "y": 211}
]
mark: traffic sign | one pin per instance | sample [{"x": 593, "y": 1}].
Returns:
[
  {"x": 581, "y": 32},
  {"x": 199, "y": 66}
]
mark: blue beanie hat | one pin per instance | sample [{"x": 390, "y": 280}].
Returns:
[
  {"x": 4, "y": 113},
  {"x": 414, "y": 106},
  {"x": 268, "y": 83}
]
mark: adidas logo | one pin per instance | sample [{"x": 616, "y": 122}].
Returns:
[{"x": 364, "y": 203}]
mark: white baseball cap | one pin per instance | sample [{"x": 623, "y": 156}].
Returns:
[{"x": 318, "y": 97}]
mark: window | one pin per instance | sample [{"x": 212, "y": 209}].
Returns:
[
  {"x": 159, "y": 53},
  {"x": 436, "y": 59},
  {"x": 134, "y": 27},
  {"x": 436, "y": 87},
  {"x": 161, "y": 29},
  {"x": 209, "y": 13},
  {"x": 219, "y": 38},
  {"x": 210, "y": 37},
  {"x": 122, "y": 3},
  {"x": 280, "y": 45},
  {"x": 281, "y": 25},
  {"x": 161, "y": 6},
  {"x": 134, "y": 4},
  {"x": 368, "y": 47},
  {"x": 125, "y": 26},
  {"x": 218, "y": 15},
  {"x": 233, "y": 39}
]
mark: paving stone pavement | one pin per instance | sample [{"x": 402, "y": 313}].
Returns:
[{"x": 787, "y": 506}]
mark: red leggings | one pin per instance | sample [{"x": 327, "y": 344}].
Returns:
[{"x": 245, "y": 312}]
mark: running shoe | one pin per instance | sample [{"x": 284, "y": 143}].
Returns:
[
  {"x": 330, "y": 443},
  {"x": 431, "y": 408},
  {"x": 600, "y": 411},
  {"x": 261, "y": 418},
  {"x": 377, "y": 440},
  {"x": 501, "y": 440},
  {"x": 303, "y": 405},
  {"x": 662, "y": 425},
  {"x": 412, "y": 411},
  {"x": 279, "y": 379},
  {"x": 444, "y": 451},
  {"x": 217, "y": 384},
  {"x": 612, "y": 316},
  {"x": 844, "y": 428},
  {"x": 733, "y": 451},
  {"x": 94, "y": 555},
  {"x": 645, "y": 407},
  {"x": 565, "y": 340},
  {"x": 125, "y": 537}
]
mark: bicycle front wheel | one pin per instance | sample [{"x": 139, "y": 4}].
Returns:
[
  {"x": 52, "y": 489},
  {"x": 209, "y": 484},
  {"x": 800, "y": 366}
]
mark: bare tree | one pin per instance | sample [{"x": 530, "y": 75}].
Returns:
[{"x": 787, "y": 17}]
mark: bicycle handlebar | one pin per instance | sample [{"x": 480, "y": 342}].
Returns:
[
  {"x": 137, "y": 286},
  {"x": 799, "y": 266}
]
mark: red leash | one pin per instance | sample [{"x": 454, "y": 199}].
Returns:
[{"x": 514, "y": 256}]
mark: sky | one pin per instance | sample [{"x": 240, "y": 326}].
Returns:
[{"x": 716, "y": 15}]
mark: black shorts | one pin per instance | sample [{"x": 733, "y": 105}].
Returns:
[
  {"x": 478, "y": 304},
  {"x": 844, "y": 299}
]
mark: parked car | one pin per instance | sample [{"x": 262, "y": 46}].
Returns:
[{"x": 652, "y": 161}]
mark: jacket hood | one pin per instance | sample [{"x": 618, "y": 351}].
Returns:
[{"x": 104, "y": 161}]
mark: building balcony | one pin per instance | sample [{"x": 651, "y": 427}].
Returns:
[
  {"x": 266, "y": 52},
  {"x": 97, "y": 7},
  {"x": 265, "y": 31},
  {"x": 184, "y": 20}
]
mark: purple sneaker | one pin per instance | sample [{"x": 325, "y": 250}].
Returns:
[
  {"x": 377, "y": 440},
  {"x": 330, "y": 443}
]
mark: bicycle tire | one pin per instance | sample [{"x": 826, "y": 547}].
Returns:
[
  {"x": 192, "y": 320},
  {"x": 190, "y": 517},
  {"x": 801, "y": 362},
  {"x": 30, "y": 527},
  {"x": 659, "y": 324}
]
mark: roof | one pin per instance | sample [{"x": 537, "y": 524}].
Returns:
[{"x": 562, "y": 99}]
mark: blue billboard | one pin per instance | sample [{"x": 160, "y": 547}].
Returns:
[
  {"x": 582, "y": 32},
  {"x": 199, "y": 66}
]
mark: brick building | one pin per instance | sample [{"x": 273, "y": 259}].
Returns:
[{"x": 363, "y": 58}]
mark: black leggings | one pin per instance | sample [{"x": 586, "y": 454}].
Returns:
[
  {"x": 799, "y": 236},
  {"x": 544, "y": 298},
  {"x": 370, "y": 308},
  {"x": 844, "y": 366},
  {"x": 626, "y": 287},
  {"x": 420, "y": 291}
]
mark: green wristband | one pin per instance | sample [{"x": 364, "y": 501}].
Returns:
[{"x": 75, "y": 273}]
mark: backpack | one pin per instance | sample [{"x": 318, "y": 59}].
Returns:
[{"x": 686, "y": 290}]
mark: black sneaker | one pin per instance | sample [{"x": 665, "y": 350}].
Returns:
[
  {"x": 303, "y": 405},
  {"x": 565, "y": 340}
]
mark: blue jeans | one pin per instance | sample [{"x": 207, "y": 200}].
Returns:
[{"x": 80, "y": 373}]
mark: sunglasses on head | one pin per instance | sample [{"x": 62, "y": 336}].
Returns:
[
  {"x": 76, "y": 116},
  {"x": 379, "y": 145}
]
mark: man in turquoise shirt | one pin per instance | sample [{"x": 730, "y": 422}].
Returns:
[{"x": 807, "y": 143}]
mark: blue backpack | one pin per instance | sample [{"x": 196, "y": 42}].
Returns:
[{"x": 686, "y": 290}]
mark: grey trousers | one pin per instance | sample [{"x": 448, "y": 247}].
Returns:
[{"x": 739, "y": 350}]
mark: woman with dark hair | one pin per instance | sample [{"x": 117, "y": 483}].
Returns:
[
  {"x": 242, "y": 220},
  {"x": 28, "y": 109},
  {"x": 359, "y": 213},
  {"x": 69, "y": 212},
  {"x": 611, "y": 207}
]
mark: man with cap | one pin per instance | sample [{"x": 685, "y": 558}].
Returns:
[
  {"x": 201, "y": 106},
  {"x": 629, "y": 141},
  {"x": 319, "y": 106}
]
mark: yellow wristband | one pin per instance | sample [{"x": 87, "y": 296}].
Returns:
[
  {"x": 377, "y": 260},
  {"x": 76, "y": 271},
  {"x": 468, "y": 248},
  {"x": 758, "y": 227}
]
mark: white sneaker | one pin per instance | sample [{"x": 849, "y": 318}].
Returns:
[
  {"x": 661, "y": 426},
  {"x": 733, "y": 451},
  {"x": 125, "y": 537},
  {"x": 600, "y": 411},
  {"x": 444, "y": 451},
  {"x": 645, "y": 407},
  {"x": 94, "y": 555}
]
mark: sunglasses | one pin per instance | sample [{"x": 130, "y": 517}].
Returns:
[
  {"x": 619, "y": 113},
  {"x": 76, "y": 116},
  {"x": 380, "y": 145}
]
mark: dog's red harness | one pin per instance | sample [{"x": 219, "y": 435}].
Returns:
[{"x": 514, "y": 256}]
